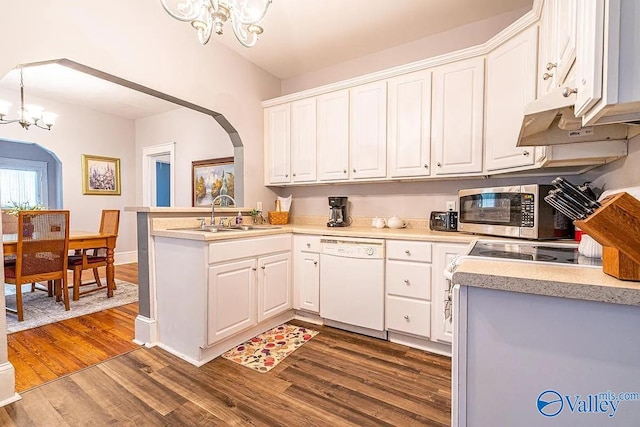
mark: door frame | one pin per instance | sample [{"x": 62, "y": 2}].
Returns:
[{"x": 149, "y": 154}]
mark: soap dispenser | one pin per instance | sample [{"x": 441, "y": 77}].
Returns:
[{"x": 239, "y": 218}]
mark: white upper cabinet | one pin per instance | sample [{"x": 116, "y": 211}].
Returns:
[
  {"x": 303, "y": 140},
  {"x": 368, "y": 130},
  {"x": 557, "y": 43},
  {"x": 409, "y": 125},
  {"x": 457, "y": 125},
  {"x": 565, "y": 37},
  {"x": 511, "y": 84},
  {"x": 333, "y": 136},
  {"x": 607, "y": 70},
  {"x": 589, "y": 48},
  {"x": 278, "y": 140}
]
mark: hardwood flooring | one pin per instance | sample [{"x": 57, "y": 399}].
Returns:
[
  {"x": 51, "y": 351},
  {"x": 336, "y": 379}
]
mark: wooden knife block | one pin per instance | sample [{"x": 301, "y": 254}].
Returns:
[{"x": 616, "y": 226}]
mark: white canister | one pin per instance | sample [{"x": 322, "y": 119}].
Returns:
[{"x": 378, "y": 222}]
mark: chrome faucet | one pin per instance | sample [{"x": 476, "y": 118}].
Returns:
[{"x": 213, "y": 206}]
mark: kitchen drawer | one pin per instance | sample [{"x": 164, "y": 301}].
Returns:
[
  {"x": 408, "y": 315},
  {"x": 409, "y": 251},
  {"x": 248, "y": 247},
  {"x": 409, "y": 279},
  {"x": 307, "y": 243}
]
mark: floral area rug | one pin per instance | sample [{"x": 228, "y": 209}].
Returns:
[{"x": 265, "y": 351}]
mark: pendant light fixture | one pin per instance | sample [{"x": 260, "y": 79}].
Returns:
[{"x": 28, "y": 115}]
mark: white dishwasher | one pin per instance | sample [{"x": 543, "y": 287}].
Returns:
[{"x": 352, "y": 285}]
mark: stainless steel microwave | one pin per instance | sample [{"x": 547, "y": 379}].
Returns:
[{"x": 515, "y": 211}]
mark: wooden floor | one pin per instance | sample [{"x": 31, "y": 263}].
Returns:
[
  {"x": 51, "y": 351},
  {"x": 336, "y": 379}
]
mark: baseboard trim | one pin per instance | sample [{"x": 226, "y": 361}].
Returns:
[
  {"x": 8, "y": 384},
  {"x": 146, "y": 331},
  {"x": 125, "y": 257},
  {"x": 420, "y": 343}
]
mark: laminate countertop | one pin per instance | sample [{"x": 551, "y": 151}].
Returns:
[
  {"x": 564, "y": 281},
  {"x": 416, "y": 234}
]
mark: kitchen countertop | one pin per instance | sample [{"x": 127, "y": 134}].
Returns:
[
  {"x": 556, "y": 280},
  {"x": 419, "y": 234}
]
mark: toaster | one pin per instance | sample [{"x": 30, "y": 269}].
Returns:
[{"x": 444, "y": 221}]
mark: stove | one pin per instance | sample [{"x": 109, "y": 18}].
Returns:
[{"x": 548, "y": 252}]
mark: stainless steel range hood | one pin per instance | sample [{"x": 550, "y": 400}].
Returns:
[{"x": 550, "y": 121}]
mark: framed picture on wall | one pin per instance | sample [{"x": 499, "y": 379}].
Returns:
[
  {"x": 211, "y": 178},
  {"x": 100, "y": 175}
]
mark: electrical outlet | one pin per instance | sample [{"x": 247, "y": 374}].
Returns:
[
  {"x": 259, "y": 206},
  {"x": 451, "y": 205}
]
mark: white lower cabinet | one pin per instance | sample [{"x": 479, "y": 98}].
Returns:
[
  {"x": 231, "y": 299},
  {"x": 221, "y": 294},
  {"x": 306, "y": 273},
  {"x": 274, "y": 285},
  {"x": 416, "y": 293},
  {"x": 408, "y": 287},
  {"x": 443, "y": 254},
  {"x": 243, "y": 293}
]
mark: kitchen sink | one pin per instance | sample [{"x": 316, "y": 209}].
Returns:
[
  {"x": 218, "y": 228},
  {"x": 208, "y": 229}
]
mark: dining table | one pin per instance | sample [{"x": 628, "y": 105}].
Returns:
[{"x": 78, "y": 240}]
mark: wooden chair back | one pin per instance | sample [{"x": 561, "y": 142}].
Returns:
[
  {"x": 41, "y": 254},
  {"x": 109, "y": 224},
  {"x": 43, "y": 243}
]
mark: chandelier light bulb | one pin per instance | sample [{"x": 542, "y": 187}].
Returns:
[
  {"x": 4, "y": 108},
  {"x": 49, "y": 119}
]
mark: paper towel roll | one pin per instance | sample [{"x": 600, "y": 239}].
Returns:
[{"x": 285, "y": 203}]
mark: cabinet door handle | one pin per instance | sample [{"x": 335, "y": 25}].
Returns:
[
  {"x": 315, "y": 262},
  {"x": 263, "y": 267},
  {"x": 551, "y": 66},
  {"x": 344, "y": 171},
  {"x": 294, "y": 174},
  {"x": 439, "y": 164},
  {"x": 426, "y": 166},
  {"x": 406, "y": 317},
  {"x": 547, "y": 76},
  {"x": 525, "y": 153},
  {"x": 567, "y": 91},
  {"x": 253, "y": 268},
  {"x": 408, "y": 252},
  {"x": 407, "y": 282},
  {"x": 308, "y": 245},
  {"x": 286, "y": 175},
  {"x": 354, "y": 170}
]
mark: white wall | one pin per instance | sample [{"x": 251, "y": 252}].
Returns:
[
  {"x": 438, "y": 44},
  {"x": 619, "y": 174},
  {"x": 197, "y": 136},
  {"x": 79, "y": 131}
]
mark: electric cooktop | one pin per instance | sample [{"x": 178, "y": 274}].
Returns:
[{"x": 546, "y": 252}]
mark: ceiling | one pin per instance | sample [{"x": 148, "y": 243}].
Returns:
[
  {"x": 300, "y": 36},
  {"x": 307, "y": 35},
  {"x": 77, "y": 88}
]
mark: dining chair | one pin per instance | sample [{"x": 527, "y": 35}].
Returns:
[
  {"x": 93, "y": 258},
  {"x": 41, "y": 254}
]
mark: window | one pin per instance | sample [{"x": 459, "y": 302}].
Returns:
[{"x": 23, "y": 181}]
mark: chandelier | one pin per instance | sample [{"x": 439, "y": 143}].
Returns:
[
  {"x": 27, "y": 114},
  {"x": 210, "y": 15}
]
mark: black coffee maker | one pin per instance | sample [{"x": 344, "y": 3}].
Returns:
[{"x": 338, "y": 212}]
